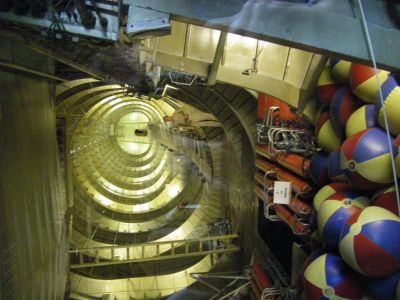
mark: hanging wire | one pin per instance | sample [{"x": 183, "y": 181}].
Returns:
[{"x": 389, "y": 138}]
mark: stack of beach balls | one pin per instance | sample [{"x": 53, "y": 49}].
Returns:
[{"x": 356, "y": 207}]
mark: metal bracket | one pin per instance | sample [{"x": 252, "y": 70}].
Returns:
[{"x": 145, "y": 23}]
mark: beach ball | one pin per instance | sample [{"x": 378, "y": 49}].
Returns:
[
  {"x": 327, "y": 191},
  {"x": 370, "y": 242},
  {"x": 335, "y": 211},
  {"x": 386, "y": 198},
  {"x": 365, "y": 159},
  {"x": 363, "y": 81},
  {"x": 387, "y": 288},
  {"x": 300, "y": 278},
  {"x": 327, "y": 138},
  {"x": 397, "y": 158},
  {"x": 391, "y": 97},
  {"x": 328, "y": 277},
  {"x": 343, "y": 104},
  {"x": 340, "y": 69},
  {"x": 319, "y": 169},
  {"x": 397, "y": 141},
  {"x": 334, "y": 170},
  {"x": 361, "y": 119},
  {"x": 326, "y": 86}
]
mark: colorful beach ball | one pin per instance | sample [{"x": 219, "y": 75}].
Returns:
[
  {"x": 363, "y": 81},
  {"x": 327, "y": 138},
  {"x": 363, "y": 118},
  {"x": 327, "y": 191},
  {"x": 387, "y": 288},
  {"x": 334, "y": 213},
  {"x": 343, "y": 104},
  {"x": 370, "y": 242},
  {"x": 340, "y": 69},
  {"x": 300, "y": 279},
  {"x": 319, "y": 169},
  {"x": 326, "y": 86},
  {"x": 397, "y": 158},
  {"x": 397, "y": 141},
  {"x": 365, "y": 159},
  {"x": 386, "y": 198},
  {"x": 328, "y": 277},
  {"x": 335, "y": 172},
  {"x": 391, "y": 97}
]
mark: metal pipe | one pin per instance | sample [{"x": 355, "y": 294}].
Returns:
[
  {"x": 225, "y": 288},
  {"x": 235, "y": 290},
  {"x": 14, "y": 66},
  {"x": 205, "y": 275},
  {"x": 209, "y": 285}
]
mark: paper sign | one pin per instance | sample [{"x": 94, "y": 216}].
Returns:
[{"x": 282, "y": 192}]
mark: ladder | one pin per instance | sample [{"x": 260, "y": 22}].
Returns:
[{"x": 154, "y": 251}]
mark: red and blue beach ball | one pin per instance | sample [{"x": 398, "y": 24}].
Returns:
[
  {"x": 370, "y": 242},
  {"x": 340, "y": 69},
  {"x": 335, "y": 211},
  {"x": 327, "y": 191},
  {"x": 363, "y": 118},
  {"x": 335, "y": 172},
  {"x": 326, "y": 86},
  {"x": 328, "y": 277},
  {"x": 397, "y": 158},
  {"x": 365, "y": 159},
  {"x": 391, "y": 98},
  {"x": 319, "y": 169},
  {"x": 363, "y": 81},
  {"x": 300, "y": 279},
  {"x": 386, "y": 198},
  {"x": 344, "y": 103},
  {"x": 387, "y": 288}
]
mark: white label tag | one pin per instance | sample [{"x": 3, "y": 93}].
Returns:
[{"x": 282, "y": 192}]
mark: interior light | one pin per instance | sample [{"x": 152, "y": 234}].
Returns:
[
  {"x": 143, "y": 207},
  {"x": 104, "y": 200},
  {"x": 133, "y": 146},
  {"x": 173, "y": 190}
]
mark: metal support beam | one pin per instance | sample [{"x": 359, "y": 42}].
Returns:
[
  {"x": 218, "y": 276},
  {"x": 235, "y": 290},
  {"x": 329, "y": 27},
  {"x": 307, "y": 91},
  {"x": 41, "y": 49},
  {"x": 63, "y": 60},
  {"x": 17, "y": 67},
  {"x": 212, "y": 77}
]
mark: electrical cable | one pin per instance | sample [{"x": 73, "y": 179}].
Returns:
[{"x": 389, "y": 138}]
